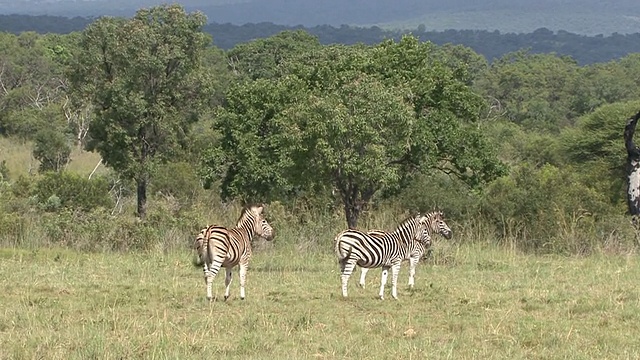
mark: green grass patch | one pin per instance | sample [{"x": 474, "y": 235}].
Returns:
[{"x": 488, "y": 304}]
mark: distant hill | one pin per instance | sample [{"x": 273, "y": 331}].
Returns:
[
  {"x": 491, "y": 44},
  {"x": 586, "y": 17}
]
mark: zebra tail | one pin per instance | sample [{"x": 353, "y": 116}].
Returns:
[
  {"x": 203, "y": 249},
  {"x": 339, "y": 254},
  {"x": 207, "y": 256}
]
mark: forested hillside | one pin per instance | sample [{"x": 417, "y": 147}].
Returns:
[
  {"x": 491, "y": 44},
  {"x": 584, "y": 17},
  {"x": 525, "y": 150}
]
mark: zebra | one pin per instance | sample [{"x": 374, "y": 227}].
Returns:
[
  {"x": 218, "y": 247},
  {"x": 355, "y": 247},
  {"x": 416, "y": 251}
]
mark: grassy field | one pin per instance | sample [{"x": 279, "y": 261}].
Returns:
[
  {"x": 470, "y": 301},
  {"x": 20, "y": 161}
]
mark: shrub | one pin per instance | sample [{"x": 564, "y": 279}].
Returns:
[
  {"x": 543, "y": 206},
  {"x": 72, "y": 191},
  {"x": 52, "y": 149},
  {"x": 179, "y": 181}
]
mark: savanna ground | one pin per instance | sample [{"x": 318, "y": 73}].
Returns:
[
  {"x": 474, "y": 298},
  {"x": 470, "y": 301}
]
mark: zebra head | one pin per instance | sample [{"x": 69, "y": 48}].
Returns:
[
  {"x": 253, "y": 218},
  {"x": 434, "y": 221}
]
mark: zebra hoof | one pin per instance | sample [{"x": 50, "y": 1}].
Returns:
[
  {"x": 209, "y": 299},
  {"x": 226, "y": 297},
  {"x": 241, "y": 298}
]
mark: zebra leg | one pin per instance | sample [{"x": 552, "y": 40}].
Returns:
[
  {"x": 347, "y": 269},
  {"x": 210, "y": 275},
  {"x": 208, "y": 280},
  {"x": 227, "y": 283},
  {"x": 363, "y": 275},
  {"x": 413, "y": 262},
  {"x": 395, "y": 270},
  {"x": 243, "y": 279},
  {"x": 383, "y": 281}
]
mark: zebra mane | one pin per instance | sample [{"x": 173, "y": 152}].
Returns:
[
  {"x": 411, "y": 221},
  {"x": 249, "y": 209}
]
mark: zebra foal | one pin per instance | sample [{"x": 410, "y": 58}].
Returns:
[
  {"x": 355, "y": 247},
  {"x": 218, "y": 247},
  {"x": 417, "y": 248}
]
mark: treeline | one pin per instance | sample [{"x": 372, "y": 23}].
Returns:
[
  {"x": 491, "y": 44},
  {"x": 526, "y": 150}
]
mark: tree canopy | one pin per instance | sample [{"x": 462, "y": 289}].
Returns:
[
  {"x": 146, "y": 81},
  {"x": 360, "y": 120}
]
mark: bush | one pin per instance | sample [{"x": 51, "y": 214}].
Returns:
[
  {"x": 67, "y": 190},
  {"x": 178, "y": 181},
  {"x": 543, "y": 206},
  {"x": 52, "y": 149}
]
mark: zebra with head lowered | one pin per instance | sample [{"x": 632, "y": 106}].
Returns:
[
  {"x": 218, "y": 247},
  {"x": 417, "y": 248},
  {"x": 355, "y": 247}
]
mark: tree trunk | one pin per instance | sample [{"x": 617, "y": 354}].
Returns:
[
  {"x": 352, "y": 213},
  {"x": 142, "y": 197},
  {"x": 633, "y": 167}
]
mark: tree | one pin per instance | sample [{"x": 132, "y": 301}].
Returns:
[
  {"x": 633, "y": 166},
  {"x": 52, "y": 149},
  {"x": 262, "y": 58},
  {"x": 361, "y": 120},
  {"x": 534, "y": 90},
  {"x": 596, "y": 146},
  {"x": 146, "y": 80},
  {"x": 30, "y": 82}
]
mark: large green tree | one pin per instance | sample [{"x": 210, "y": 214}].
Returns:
[
  {"x": 30, "y": 85},
  {"x": 359, "y": 120},
  {"x": 146, "y": 80}
]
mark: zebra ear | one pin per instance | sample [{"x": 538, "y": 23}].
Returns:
[{"x": 259, "y": 208}]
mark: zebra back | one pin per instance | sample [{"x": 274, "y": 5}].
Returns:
[
  {"x": 422, "y": 236},
  {"x": 378, "y": 250}
]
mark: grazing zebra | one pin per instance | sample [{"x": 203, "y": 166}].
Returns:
[
  {"x": 416, "y": 250},
  {"x": 355, "y": 247},
  {"x": 218, "y": 247}
]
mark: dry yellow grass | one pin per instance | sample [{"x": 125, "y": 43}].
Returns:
[
  {"x": 20, "y": 161},
  {"x": 484, "y": 303},
  {"x": 17, "y": 155}
]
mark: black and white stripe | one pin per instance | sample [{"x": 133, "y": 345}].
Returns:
[
  {"x": 416, "y": 251},
  {"x": 218, "y": 247},
  {"x": 418, "y": 248},
  {"x": 355, "y": 247}
]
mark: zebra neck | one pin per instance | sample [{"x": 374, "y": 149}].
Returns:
[
  {"x": 247, "y": 230},
  {"x": 403, "y": 234}
]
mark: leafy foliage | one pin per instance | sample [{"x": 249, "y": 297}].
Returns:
[
  {"x": 52, "y": 149},
  {"x": 342, "y": 116},
  {"x": 146, "y": 80},
  {"x": 72, "y": 191}
]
